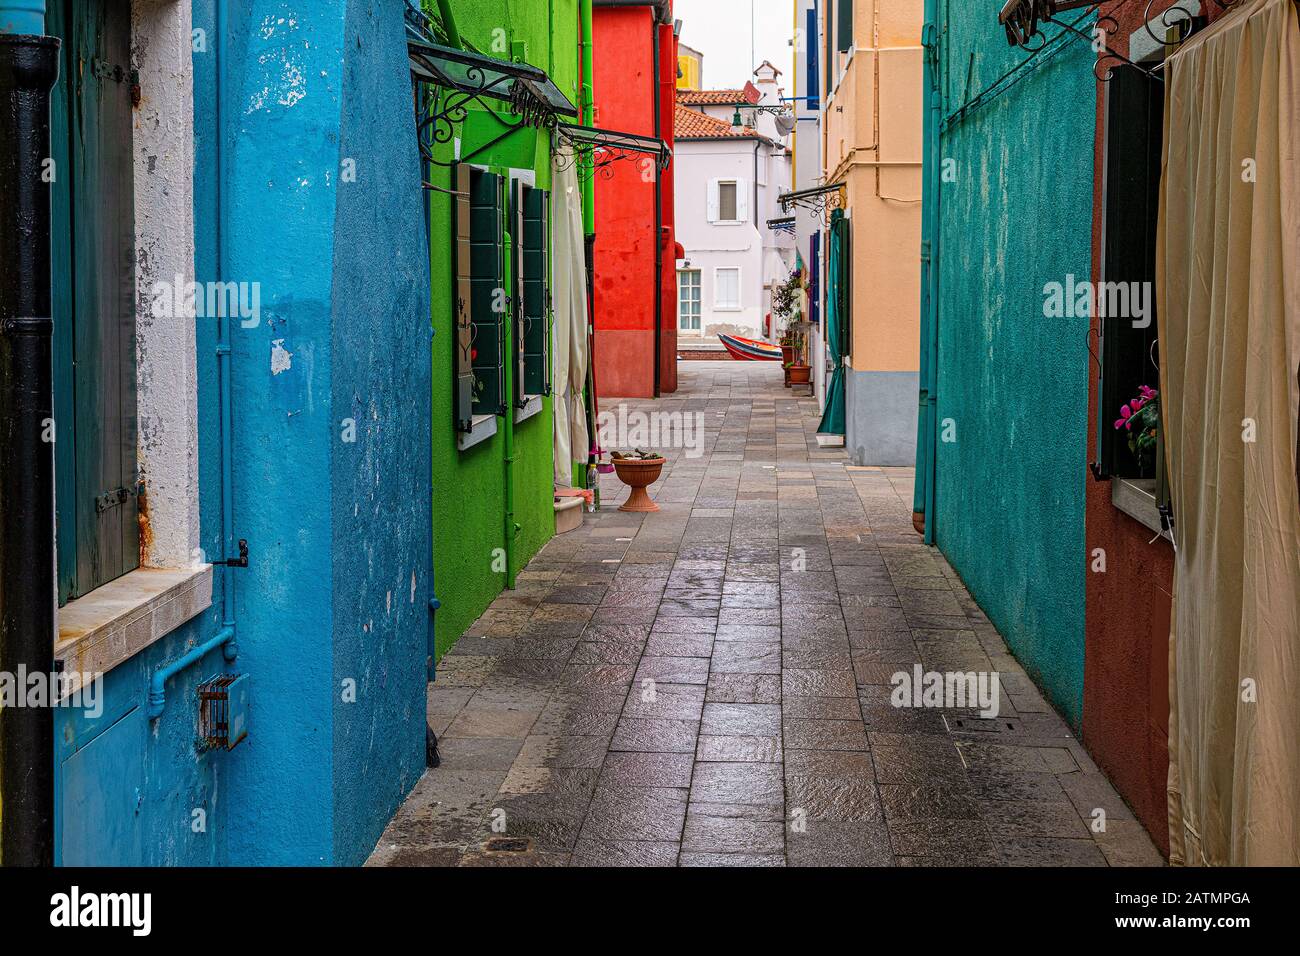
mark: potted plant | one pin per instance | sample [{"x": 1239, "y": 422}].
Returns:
[
  {"x": 786, "y": 298},
  {"x": 638, "y": 471},
  {"x": 1141, "y": 419}
]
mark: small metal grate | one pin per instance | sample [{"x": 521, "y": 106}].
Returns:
[
  {"x": 508, "y": 845},
  {"x": 216, "y": 718}
]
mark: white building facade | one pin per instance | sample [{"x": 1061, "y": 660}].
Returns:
[{"x": 729, "y": 178}]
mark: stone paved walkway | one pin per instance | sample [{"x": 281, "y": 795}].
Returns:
[{"x": 710, "y": 685}]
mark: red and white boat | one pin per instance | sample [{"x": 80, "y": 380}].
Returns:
[{"x": 750, "y": 350}]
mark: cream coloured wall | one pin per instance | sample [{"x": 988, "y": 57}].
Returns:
[{"x": 873, "y": 132}]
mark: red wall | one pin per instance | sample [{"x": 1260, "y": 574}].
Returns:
[{"x": 625, "y": 281}]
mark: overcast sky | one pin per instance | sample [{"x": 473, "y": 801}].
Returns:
[{"x": 720, "y": 29}]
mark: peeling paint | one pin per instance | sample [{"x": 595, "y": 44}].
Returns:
[{"x": 281, "y": 358}]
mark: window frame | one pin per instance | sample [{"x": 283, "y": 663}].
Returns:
[
  {"x": 1131, "y": 141},
  {"x": 698, "y": 289},
  {"x": 735, "y": 201}
]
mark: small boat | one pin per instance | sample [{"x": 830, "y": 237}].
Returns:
[{"x": 750, "y": 350}]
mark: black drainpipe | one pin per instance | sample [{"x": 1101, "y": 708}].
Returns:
[
  {"x": 659, "y": 220},
  {"x": 29, "y": 67}
]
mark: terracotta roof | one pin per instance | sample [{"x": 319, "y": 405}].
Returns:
[
  {"x": 692, "y": 125},
  {"x": 718, "y": 97}
]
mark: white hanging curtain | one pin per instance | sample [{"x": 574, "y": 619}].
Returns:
[
  {"x": 1228, "y": 286},
  {"x": 569, "y": 352}
]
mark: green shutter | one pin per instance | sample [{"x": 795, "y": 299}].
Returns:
[
  {"x": 845, "y": 27},
  {"x": 94, "y": 296},
  {"x": 489, "y": 304},
  {"x": 516, "y": 281},
  {"x": 845, "y": 289},
  {"x": 536, "y": 299},
  {"x": 463, "y": 341}
]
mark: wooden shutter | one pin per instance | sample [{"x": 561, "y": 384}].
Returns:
[
  {"x": 845, "y": 287},
  {"x": 94, "y": 296},
  {"x": 811, "y": 48},
  {"x": 516, "y": 285},
  {"x": 489, "y": 298},
  {"x": 536, "y": 293},
  {"x": 844, "y": 30},
  {"x": 463, "y": 340}
]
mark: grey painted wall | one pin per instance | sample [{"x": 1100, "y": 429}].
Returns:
[{"x": 880, "y": 417}]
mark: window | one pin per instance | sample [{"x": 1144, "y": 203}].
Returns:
[
  {"x": 726, "y": 289},
  {"x": 481, "y": 300},
  {"x": 1125, "y": 299},
  {"x": 727, "y": 211},
  {"x": 531, "y": 281},
  {"x": 688, "y": 300},
  {"x": 845, "y": 28},
  {"x": 93, "y": 206},
  {"x": 813, "y": 101}
]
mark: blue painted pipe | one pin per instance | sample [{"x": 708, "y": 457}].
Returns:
[
  {"x": 225, "y": 638},
  {"x": 22, "y": 17}
]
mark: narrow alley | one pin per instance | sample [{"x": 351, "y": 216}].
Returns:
[{"x": 711, "y": 684}]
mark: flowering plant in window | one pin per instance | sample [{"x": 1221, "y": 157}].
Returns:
[{"x": 1141, "y": 419}]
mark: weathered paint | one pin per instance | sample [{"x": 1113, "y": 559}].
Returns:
[
  {"x": 337, "y": 589},
  {"x": 1010, "y": 492},
  {"x": 468, "y": 510}
]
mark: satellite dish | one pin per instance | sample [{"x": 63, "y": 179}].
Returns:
[{"x": 785, "y": 123}]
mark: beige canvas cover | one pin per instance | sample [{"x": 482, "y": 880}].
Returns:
[{"x": 1228, "y": 287}]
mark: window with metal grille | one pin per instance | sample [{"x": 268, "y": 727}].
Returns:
[{"x": 93, "y": 253}]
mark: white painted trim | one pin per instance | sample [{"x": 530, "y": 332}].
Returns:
[
  {"x": 167, "y": 391},
  {"x": 482, "y": 428}
]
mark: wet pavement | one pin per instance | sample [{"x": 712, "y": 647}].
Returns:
[{"x": 711, "y": 684}]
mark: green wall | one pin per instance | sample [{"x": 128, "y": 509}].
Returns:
[
  {"x": 1010, "y": 488},
  {"x": 469, "y": 487}
]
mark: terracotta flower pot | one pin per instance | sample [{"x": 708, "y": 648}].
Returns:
[
  {"x": 638, "y": 474},
  {"x": 787, "y": 359},
  {"x": 800, "y": 374}
]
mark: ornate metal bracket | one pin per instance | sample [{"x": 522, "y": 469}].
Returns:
[
  {"x": 821, "y": 201},
  {"x": 601, "y": 149},
  {"x": 1170, "y": 28}
]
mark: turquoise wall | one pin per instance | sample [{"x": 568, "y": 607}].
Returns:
[
  {"x": 469, "y": 486},
  {"x": 1010, "y": 488}
]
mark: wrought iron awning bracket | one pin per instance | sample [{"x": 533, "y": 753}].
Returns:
[
  {"x": 600, "y": 150},
  {"x": 1021, "y": 19},
  {"x": 821, "y": 201}
]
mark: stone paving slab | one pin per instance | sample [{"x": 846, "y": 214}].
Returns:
[{"x": 711, "y": 685}]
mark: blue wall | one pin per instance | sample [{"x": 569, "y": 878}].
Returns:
[
  {"x": 338, "y": 587},
  {"x": 1010, "y": 489}
]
